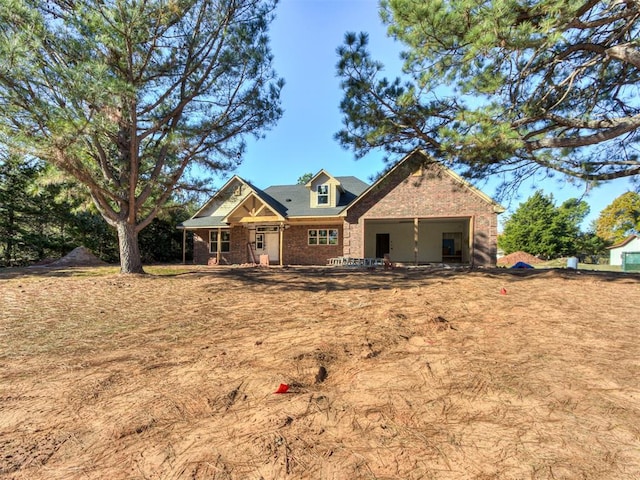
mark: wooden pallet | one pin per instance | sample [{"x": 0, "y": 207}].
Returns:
[{"x": 356, "y": 262}]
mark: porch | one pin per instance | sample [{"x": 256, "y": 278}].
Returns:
[{"x": 419, "y": 241}]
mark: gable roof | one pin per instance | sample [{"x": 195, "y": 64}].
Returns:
[
  {"x": 198, "y": 220},
  {"x": 286, "y": 201},
  {"x": 625, "y": 241},
  {"x": 220, "y": 190},
  {"x": 326, "y": 174},
  {"x": 291, "y": 201},
  {"x": 266, "y": 207},
  {"x": 203, "y": 222},
  {"x": 428, "y": 160}
]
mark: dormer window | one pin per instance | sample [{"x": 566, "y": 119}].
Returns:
[
  {"x": 324, "y": 191},
  {"x": 323, "y": 194}
]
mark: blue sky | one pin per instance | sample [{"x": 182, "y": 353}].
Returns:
[{"x": 304, "y": 38}]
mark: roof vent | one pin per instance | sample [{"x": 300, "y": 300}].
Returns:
[{"x": 287, "y": 200}]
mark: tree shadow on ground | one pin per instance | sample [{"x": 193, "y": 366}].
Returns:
[{"x": 323, "y": 279}]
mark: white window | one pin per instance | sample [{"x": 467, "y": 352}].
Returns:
[
  {"x": 323, "y": 237},
  {"x": 323, "y": 194},
  {"x": 259, "y": 241},
  {"x": 225, "y": 241},
  {"x": 272, "y": 228}
]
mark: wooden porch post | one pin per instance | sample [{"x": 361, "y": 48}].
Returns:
[
  {"x": 281, "y": 229},
  {"x": 184, "y": 246},
  {"x": 472, "y": 242},
  {"x": 219, "y": 246},
  {"x": 415, "y": 240}
]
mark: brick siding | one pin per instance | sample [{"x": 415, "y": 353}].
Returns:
[
  {"x": 237, "y": 254},
  {"x": 297, "y": 251},
  {"x": 434, "y": 194}
]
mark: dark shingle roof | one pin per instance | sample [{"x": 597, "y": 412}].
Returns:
[
  {"x": 294, "y": 201},
  {"x": 290, "y": 201},
  {"x": 203, "y": 222}
]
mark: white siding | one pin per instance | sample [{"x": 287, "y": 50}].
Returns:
[
  {"x": 227, "y": 200},
  {"x": 615, "y": 254}
]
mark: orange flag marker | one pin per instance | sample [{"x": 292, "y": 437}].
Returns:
[{"x": 283, "y": 388}]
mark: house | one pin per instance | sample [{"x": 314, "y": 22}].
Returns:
[
  {"x": 419, "y": 212},
  {"x": 629, "y": 244}
]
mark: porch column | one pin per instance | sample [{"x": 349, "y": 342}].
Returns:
[
  {"x": 472, "y": 242},
  {"x": 415, "y": 240},
  {"x": 281, "y": 230},
  {"x": 219, "y": 246},
  {"x": 184, "y": 246}
]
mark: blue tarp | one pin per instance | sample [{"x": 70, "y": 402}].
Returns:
[{"x": 522, "y": 265}]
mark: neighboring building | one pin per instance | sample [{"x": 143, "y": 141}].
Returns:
[
  {"x": 629, "y": 244},
  {"x": 419, "y": 212}
]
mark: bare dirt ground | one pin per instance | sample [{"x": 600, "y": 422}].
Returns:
[{"x": 409, "y": 374}]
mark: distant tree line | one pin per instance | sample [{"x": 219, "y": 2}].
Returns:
[
  {"x": 541, "y": 228},
  {"x": 43, "y": 217}
]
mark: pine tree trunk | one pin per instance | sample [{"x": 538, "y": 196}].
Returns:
[
  {"x": 130, "y": 261},
  {"x": 8, "y": 251}
]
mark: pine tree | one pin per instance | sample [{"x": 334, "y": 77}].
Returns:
[
  {"x": 502, "y": 86},
  {"x": 128, "y": 96},
  {"x": 16, "y": 210},
  {"x": 540, "y": 228}
]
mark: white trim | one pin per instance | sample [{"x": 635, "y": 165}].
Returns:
[
  {"x": 328, "y": 237},
  {"x": 267, "y": 228},
  {"x": 219, "y": 231},
  {"x": 323, "y": 171}
]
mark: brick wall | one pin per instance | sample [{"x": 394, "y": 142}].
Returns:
[
  {"x": 434, "y": 194},
  {"x": 296, "y": 250},
  {"x": 238, "y": 249}
]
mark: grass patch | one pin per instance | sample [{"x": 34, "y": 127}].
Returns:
[{"x": 562, "y": 263}]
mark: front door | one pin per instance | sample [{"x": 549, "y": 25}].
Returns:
[
  {"x": 268, "y": 243},
  {"x": 383, "y": 244},
  {"x": 272, "y": 246}
]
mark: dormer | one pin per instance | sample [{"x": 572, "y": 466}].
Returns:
[{"x": 324, "y": 190}]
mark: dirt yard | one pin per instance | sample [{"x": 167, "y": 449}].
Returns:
[{"x": 416, "y": 374}]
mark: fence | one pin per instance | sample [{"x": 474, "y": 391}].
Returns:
[{"x": 631, "y": 261}]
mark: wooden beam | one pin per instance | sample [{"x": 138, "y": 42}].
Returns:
[
  {"x": 218, "y": 246},
  {"x": 472, "y": 242},
  {"x": 281, "y": 229},
  {"x": 261, "y": 219},
  {"x": 257, "y": 212}
]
